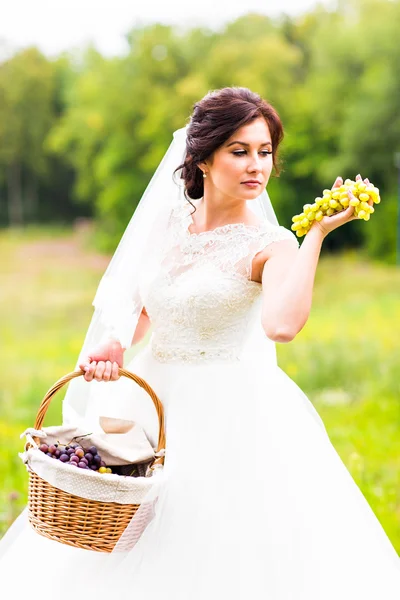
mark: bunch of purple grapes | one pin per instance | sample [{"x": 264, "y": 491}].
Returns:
[{"x": 75, "y": 455}]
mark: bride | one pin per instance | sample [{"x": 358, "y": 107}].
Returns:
[{"x": 253, "y": 501}]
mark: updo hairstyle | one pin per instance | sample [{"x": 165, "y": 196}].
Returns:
[{"x": 214, "y": 120}]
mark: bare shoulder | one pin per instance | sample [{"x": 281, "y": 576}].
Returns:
[{"x": 277, "y": 256}]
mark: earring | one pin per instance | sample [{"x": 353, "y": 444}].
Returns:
[{"x": 204, "y": 175}]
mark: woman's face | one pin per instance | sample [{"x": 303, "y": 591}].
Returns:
[{"x": 244, "y": 158}]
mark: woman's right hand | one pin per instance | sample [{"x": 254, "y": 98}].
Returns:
[
  {"x": 328, "y": 224},
  {"x": 103, "y": 362}
]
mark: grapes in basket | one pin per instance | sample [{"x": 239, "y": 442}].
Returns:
[{"x": 75, "y": 455}]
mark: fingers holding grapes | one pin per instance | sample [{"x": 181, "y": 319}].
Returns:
[
  {"x": 344, "y": 202},
  {"x": 338, "y": 183}
]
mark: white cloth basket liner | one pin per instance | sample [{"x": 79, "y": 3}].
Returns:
[
  {"x": 131, "y": 447},
  {"x": 103, "y": 487}
]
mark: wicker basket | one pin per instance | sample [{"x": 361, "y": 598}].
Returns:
[{"x": 74, "y": 520}]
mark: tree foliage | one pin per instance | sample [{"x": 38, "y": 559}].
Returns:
[{"x": 101, "y": 125}]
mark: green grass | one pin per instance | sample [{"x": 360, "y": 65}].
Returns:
[{"x": 346, "y": 359}]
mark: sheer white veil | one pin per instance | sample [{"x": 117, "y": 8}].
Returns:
[{"x": 118, "y": 303}]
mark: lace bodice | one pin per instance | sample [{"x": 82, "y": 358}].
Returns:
[{"x": 201, "y": 300}]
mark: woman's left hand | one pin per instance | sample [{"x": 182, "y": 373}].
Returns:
[{"x": 328, "y": 224}]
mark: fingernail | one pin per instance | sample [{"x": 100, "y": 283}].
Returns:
[{"x": 86, "y": 368}]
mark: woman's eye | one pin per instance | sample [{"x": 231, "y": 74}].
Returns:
[{"x": 243, "y": 152}]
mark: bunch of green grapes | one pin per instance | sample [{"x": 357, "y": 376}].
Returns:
[{"x": 334, "y": 201}]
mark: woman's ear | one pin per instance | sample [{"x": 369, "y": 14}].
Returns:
[{"x": 203, "y": 166}]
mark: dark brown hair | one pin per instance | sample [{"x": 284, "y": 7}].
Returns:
[{"x": 214, "y": 120}]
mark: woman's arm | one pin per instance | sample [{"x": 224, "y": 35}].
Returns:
[
  {"x": 103, "y": 361},
  {"x": 288, "y": 281},
  {"x": 142, "y": 327},
  {"x": 289, "y": 273}
]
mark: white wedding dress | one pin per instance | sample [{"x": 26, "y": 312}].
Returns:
[{"x": 254, "y": 502}]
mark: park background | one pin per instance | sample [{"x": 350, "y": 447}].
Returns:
[{"x": 81, "y": 133}]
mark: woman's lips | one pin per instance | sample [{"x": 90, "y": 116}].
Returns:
[{"x": 252, "y": 184}]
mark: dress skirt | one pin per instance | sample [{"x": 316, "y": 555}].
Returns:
[{"x": 254, "y": 503}]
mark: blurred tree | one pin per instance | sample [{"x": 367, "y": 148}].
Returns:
[
  {"x": 372, "y": 119},
  {"x": 331, "y": 73},
  {"x": 26, "y": 115},
  {"x": 344, "y": 118},
  {"x": 120, "y": 118}
]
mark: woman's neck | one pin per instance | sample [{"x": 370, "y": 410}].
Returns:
[{"x": 213, "y": 213}]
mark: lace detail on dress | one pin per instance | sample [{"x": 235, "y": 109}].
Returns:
[
  {"x": 192, "y": 355},
  {"x": 232, "y": 246},
  {"x": 202, "y": 301}
]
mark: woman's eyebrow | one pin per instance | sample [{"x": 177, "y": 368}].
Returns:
[{"x": 245, "y": 144}]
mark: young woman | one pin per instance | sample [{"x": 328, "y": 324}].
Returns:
[{"x": 254, "y": 501}]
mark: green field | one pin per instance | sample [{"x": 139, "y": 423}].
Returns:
[{"x": 346, "y": 359}]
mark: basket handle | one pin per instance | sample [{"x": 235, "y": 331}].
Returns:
[{"x": 44, "y": 405}]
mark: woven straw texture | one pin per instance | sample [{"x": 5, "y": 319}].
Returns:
[{"x": 83, "y": 508}]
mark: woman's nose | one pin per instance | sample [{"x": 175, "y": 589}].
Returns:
[{"x": 255, "y": 164}]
